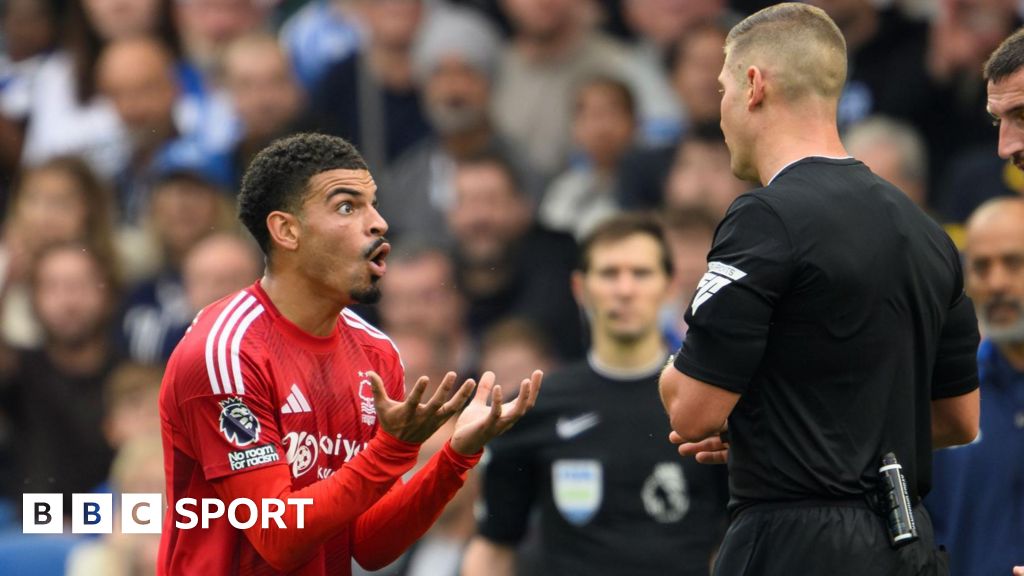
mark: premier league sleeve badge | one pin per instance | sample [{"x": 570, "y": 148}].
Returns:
[{"x": 238, "y": 424}]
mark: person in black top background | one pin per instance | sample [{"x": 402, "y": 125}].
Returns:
[
  {"x": 830, "y": 328},
  {"x": 614, "y": 498}
]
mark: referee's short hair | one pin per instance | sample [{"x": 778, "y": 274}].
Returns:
[
  {"x": 800, "y": 44},
  {"x": 278, "y": 177},
  {"x": 619, "y": 228},
  {"x": 1007, "y": 59}
]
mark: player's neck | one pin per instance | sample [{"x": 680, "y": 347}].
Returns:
[
  {"x": 303, "y": 306},
  {"x": 1014, "y": 354},
  {"x": 628, "y": 358},
  {"x": 792, "y": 139}
]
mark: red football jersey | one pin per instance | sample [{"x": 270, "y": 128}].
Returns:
[{"x": 247, "y": 389}]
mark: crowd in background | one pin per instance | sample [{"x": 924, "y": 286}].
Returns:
[{"x": 499, "y": 132}]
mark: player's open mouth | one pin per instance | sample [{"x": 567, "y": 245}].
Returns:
[{"x": 377, "y": 257}]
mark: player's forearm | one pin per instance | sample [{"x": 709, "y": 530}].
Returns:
[
  {"x": 486, "y": 558},
  {"x": 401, "y": 517},
  {"x": 336, "y": 501}
]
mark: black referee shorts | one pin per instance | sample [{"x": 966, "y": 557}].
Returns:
[{"x": 826, "y": 540}]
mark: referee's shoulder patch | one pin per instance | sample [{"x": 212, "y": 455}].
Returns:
[{"x": 718, "y": 276}]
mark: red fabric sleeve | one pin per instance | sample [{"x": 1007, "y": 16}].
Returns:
[
  {"x": 386, "y": 530},
  {"x": 337, "y": 500}
]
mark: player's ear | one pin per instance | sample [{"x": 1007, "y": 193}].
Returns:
[{"x": 284, "y": 230}]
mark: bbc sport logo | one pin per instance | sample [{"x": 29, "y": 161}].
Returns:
[{"x": 144, "y": 513}]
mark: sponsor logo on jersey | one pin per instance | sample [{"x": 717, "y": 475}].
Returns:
[
  {"x": 577, "y": 487},
  {"x": 664, "y": 493},
  {"x": 238, "y": 423},
  {"x": 717, "y": 277},
  {"x": 369, "y": 411},
  {"x": 250, "y": 457},
  {"x": 303, "y": 449},
  {"x": 567, "y": 428}
]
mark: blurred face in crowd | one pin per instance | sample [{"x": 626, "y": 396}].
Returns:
[
  {"x": 215, "y": 23},
  {"x": 994, "y": 271},
  {"x": 543, "y": 20},
  {"x": 844, "y": 12},
  {"x": 489, "y": 213},
  {"x": 262, "y": 86},
  {"x": 217, "y": 266},
  {"x": 419, "y": 295},
  {"x": 701, "y": 178},
  {"x": 51, "y": 207},
  {"x": 884, "y": 159},
  {"x": 138, "y": 77},
  {"x": 695, "y": 76},
  {"x": 419, "y": 357},
  {"x": 623, "y": 287},
  {"x": 604, "y": 123},
  {"x": 123, "y": 19},
  {"x": 27, "y": 28},
  {"x": 457, "y": 96},
  {"x": 392, "y": 23},
  {"x": 71, "y": 300},
  {"x": 663, "y": 21},
  {"x": 1005, "y": 102},
  {"x": 182, "y": 212}
]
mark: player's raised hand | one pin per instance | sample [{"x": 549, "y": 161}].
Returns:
[
  {"x": 711, "y": 450},
  {"x": 479, "y": 423},
  {"x": 411, "y": 421}
]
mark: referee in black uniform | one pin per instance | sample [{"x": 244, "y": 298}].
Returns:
[{"x": 831, "y": 328}]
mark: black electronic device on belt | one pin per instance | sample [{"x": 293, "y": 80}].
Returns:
[{"x": 895, "y": 500}]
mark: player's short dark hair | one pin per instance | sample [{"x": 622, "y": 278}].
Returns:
[
  {"x": 621, "y": 227},
  {"x": 1007, "y": 59},
  {"x": 278, "y": 177}
]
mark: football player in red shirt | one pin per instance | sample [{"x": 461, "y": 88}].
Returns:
[{"x": 280, "y": 391}]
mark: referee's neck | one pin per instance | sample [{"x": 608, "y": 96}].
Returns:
[{"x": 617, "y": 357}]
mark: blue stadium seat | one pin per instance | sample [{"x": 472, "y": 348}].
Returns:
[{"x": 35, "y": 554}]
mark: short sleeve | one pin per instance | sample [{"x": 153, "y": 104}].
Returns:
[
  {"x": 231, "y": 425},
  {"x": 956, "y": 365},
  {"x": 749, "y": 269},
  {"x": 508, "y": 488}
]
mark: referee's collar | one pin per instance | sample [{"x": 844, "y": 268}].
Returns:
[
  {"x": 638, "y": 373},
  {"x": 781, "y": 170}
]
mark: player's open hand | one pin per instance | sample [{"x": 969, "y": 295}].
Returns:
[
  {"x": 411, "y": 421},
  {"x": 711, "y": 450},
  {"x": 479, "y": 423}
]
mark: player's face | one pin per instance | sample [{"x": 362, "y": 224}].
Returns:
[
  {"x": 733, "y": 119},
  {"x": 995, "y": 273},
  {"x": 625, "y": 287},
  {"x": 1006, "y": 105},
  {"x": 342, "y": 240}
]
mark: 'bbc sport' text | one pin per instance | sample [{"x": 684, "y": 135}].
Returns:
[{"x": 143, "y": 513}]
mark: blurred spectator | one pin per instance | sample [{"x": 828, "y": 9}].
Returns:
[
  {"x": 320, "y": 34},
  {"x": 184, "y": 209},
  {"x": 604, "y": 122},
  {"x": 265, "y": 93},
  {"x": 454, "y": 61},
  {"x": 138, "y": 77},
  {"x": 506, "y": 265},
  {"x": 974, "y": 485},
  {"x": 61, "y": 106},
  {"x": 696, "y": 62},
  {"x": 130, "y": 399},
  {"x": 701, "y": 175},
  {"x": 975, "y": 175},
  {"x": 511, "y": 346},
  {"x": 52, "y": 398},
  {"x": 553, "y": 48},
  {"x": 137, "y": 468},
  {"x": 689, "y": 233},
  {"x": 612, "y": 495},
  {"x": 371, "y": 98},
  {"x": 60, "y": 200},
  {"x": 420, "y": 295},
  {"x": 29, "y": 32},
  {"x": 220, "y": 264},
  {"x": 209, "y": 26},
  {"x": 893, "y": 150}
]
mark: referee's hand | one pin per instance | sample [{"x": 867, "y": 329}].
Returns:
[{"x": 711, "y": 450}]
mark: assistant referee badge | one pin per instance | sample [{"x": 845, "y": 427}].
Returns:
[{"x": 238, "y": 423}]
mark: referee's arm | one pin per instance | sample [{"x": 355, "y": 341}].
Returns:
[{"x": 696, "y": 410}]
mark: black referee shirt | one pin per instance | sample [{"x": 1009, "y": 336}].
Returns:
[
  {"x": 835, "y": 307},
  {"x": 614, "y": 496}
]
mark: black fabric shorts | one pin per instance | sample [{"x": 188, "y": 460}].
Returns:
[{"x": 825, "y": 540}]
